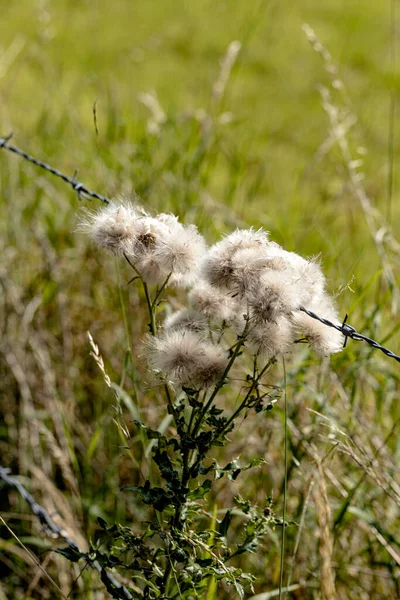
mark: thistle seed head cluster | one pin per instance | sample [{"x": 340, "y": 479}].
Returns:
[
  {"x": 159, "y": 247},
  {"x": 270, "y": 284},
  {"x": 244, "y": 282}
]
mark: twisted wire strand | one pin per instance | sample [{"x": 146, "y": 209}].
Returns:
[
  {"x": 349, "y": 332},
  {"x": 77, "y": 186},
  {"x": 113, "y": 586}
]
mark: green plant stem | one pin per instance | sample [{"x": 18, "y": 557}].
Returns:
[
  {"x": 167, "y": 573},
  {"x": 151, "y": 307},
  {"x": 170, "y": 402},
  {"x": 178, "y": 523},
  {"x": 192, "y": 416},
  {"x": 249, "y": 392},
  {"x": 217, "y": 388},
  {"x": 152, "y": 324},
  {"x": 150, "y": 304},
  {"x": 284, "y": 487},
  {"x": 160, "y": 291},
  {"x": 124, "y": 317}
]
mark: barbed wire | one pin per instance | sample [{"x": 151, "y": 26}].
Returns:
[
  {"x": 347, "y": 330},
  {"x": 77, "y": 186},
  {"x": 114, "y": 587}
]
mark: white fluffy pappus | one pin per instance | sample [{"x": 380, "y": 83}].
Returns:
[
  {"x": 271, "y": 338},
  {"x": 272, "y": 295},
  {"x": 234, "y": 273},
  {"x": 165, "y": 247},
  {"x": 170, "y": 220},
  {"x": 113, "y": 227},
  {"x": 213, "y": 303},
  {"x": 157, "y": 246},
  {"x": 242, "y": 238},
  {"x": 180, "y": 252},
  {"x": 149, "y": 268},
  {"x": 306, "y": 274},
  {"x": 186, "y": 358},
  {"x": 220, "y": 268},
  {"x": 322, "y": 339},
  {"x": 186, "y": 319}
]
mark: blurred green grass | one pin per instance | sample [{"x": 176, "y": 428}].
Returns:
[
  {"x": 260, "y": 168},
  {"x": 76, "y": 53}
]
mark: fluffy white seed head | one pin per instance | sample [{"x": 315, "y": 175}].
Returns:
[
  {"x": 158, "y": 246},
  {"x": 148, "y": 232},
  {"x": 213, "y": 303},
  {"x": 237, "y": 261},
  {"x": 310, "y": 281},
  {"x": 187, "y": 319},
  {"x": 113, "y": 228},
  {"x": 186, "y": 358},
  {"x": 165, "y": 247},
  {"x": 272, "y": 295},
  {"x": 322, "y": 339},
  {"x": 244, "y": 238},
  {"x": 271, "y": 338},
  {"x": 149, "y": 268},
  {"x": 180, "y": 251},
  {"x": 223, "y": 263},
  {"x": 306, "y": 274},
  {"x": 170, "y": 220},
  {"x": 234, "y": 273}
]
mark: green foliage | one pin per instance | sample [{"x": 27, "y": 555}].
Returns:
[{"x": 176, "y": 555}]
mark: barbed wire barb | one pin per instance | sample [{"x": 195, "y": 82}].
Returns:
[
  {"x": 55, "y": 531},
  {"x": 77, "y": 186},
  {"x": 350, "y": 332}
]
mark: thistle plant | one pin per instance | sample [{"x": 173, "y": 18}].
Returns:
[{"x": 241, "y": 311}]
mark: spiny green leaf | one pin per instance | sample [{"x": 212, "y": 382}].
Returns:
[
  {"x": 153, "y": 496},
  {"x": 225, "y": 523},
  {"x": 70, "y": 553}
]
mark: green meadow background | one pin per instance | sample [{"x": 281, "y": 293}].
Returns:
[{"x": 72, "y": 79}]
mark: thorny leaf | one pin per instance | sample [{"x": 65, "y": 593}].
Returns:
[
  {"x": 223, "y": 525},
  {"x": 154, "y": 496},
  {"x": 71, "y": 554}
]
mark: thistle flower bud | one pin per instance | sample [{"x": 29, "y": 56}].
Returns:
[{"x": 186, "y": 358}]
